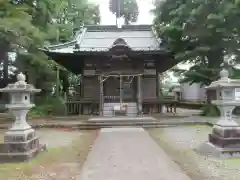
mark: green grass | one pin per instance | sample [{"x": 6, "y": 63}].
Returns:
[
  {"x": 181, "y": 157},
  {"x": 198, "y": 126},
  {"x": 188, "y": 159},
  {"x": 231, "y": 163},
  {"x": 1, "y": 136},
  {"x": 76, "y": 152}
]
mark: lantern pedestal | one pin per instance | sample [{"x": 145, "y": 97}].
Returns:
[
  {"x": 20, "y": 141},
  {"x": 224, "y": 141},
  {"x": 20, "y": 146}
]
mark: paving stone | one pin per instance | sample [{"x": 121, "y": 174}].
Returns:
[{"x": 128, "y": 154}]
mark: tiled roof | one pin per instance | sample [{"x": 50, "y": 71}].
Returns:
[{"x": 101, "y": 38}]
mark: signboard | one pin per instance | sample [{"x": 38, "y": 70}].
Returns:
[
  {"x": 150, "y": 71},
  {"x": 89, "y": 72},
  {"x": 237, "y": 93}
]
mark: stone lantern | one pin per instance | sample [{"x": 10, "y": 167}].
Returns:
[
  {"x": 20, "y": 141},
  {"x": 224, "y": 141}
]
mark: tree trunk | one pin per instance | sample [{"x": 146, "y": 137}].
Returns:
[
  {"x": 5, "y": 69},
  {"x": 5, "y": 47},
  {"x": 126, "y": 21},
  {"x": 215, "y": 59}
]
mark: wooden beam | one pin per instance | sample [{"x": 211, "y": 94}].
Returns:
[
  {"x": 120, "y": 85},
  {"x": 139, "y": 80},
  {"x": 101, "y": 96}
]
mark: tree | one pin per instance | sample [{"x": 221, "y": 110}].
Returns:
[
  {"x": 201, "y": 32},
  {"x": 27, "y": 25},
  {"x": 73, "y": 14},
  {"x": 16, "y": 30},
  {"x": 128, "y": 9}
]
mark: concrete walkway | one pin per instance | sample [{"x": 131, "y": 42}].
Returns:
[{"x": 128, "y": 154}]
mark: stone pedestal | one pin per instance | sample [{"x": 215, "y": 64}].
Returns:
[
  {"x": 223, "y": 141},
  {"x": 20, "y": 141},
  {"x": 20, "y": 146}
]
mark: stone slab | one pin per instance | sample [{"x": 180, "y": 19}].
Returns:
[
  {"x": 21, "y": 157},
  {"x": 121, "y": 118},
  {"x": 128, "y": 154},
  {"x": 208, "y": 149}
]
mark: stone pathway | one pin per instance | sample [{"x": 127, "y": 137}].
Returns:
[{"x": 128, "y": 154}]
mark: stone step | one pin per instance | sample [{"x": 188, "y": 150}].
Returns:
[
  {"x": 94, "y": 125},
  {"x": 122, "y": 119}
]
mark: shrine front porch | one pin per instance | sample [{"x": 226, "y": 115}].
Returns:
[{"x": 91, "y": 107}]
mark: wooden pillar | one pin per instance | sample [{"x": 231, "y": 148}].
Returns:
[
  {"x": 158, "y": 91},
  {"x": 82, "y": 93},
  {"x": 120, "y": 88},
  {"x": 101, "y": 99},
  {"x": 157, "y": 85},
  {"x": 160, "y": 97},
  {"x": 139, "y": 80}
]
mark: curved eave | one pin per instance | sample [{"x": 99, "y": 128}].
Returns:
[
  {"x": 70, "y": 61},
  {"x": 74, "y": 62},
  {"x": 130, "y": 53}
]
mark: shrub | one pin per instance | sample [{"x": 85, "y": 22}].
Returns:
[
  {"x": 210, "y": 110},
  {"x": 48, "y": 106}
]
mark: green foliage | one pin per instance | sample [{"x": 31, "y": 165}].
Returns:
[
  {"x": 201, "y": 32},
  {"x": 73, "y": 14},
  {"x": 15, "y": 25},
  {"x": 48, "y": 106},
  {"x": 128, "y": 9},
  {"x": 210, "y": 110},
  {"x": 27, "y": 25},
  {"x": 235, "y": 73}
]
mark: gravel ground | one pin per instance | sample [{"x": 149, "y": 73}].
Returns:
[
  {"x": 57, "y": 138},
  {"x": 66, "y": 154},
  {"x": 53, "y": 138},
  {"x": 180, "y": 144}
]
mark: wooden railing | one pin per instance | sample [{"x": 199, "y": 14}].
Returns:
[{"x": 75, "y": 105}]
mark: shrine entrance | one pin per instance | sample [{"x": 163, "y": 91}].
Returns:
[
  {"x": 120, "y": 95},
  {"x": 127, "y": 89}
]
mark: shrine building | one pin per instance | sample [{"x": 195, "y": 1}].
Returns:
[{"x": 120, "y": 68}]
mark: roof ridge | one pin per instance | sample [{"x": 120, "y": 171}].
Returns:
[
  {"x": 62, "y": 44},
  {"x": 137, "y": 27},
  {"x": 79, "y": 35}
]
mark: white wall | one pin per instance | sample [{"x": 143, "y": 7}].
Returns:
[{"x": 192, "y": 92}]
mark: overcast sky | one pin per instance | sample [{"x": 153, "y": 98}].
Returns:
[{"x": 145, "y": 16}]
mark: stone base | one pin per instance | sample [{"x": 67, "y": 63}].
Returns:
[
  {"x": 23, "y": 156},
  {"x": 20, "y": 146},
  {"x": 208, "y": 149},
  {"x": 119, "y": 113},
  {"x": 224, "y": 142}
]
